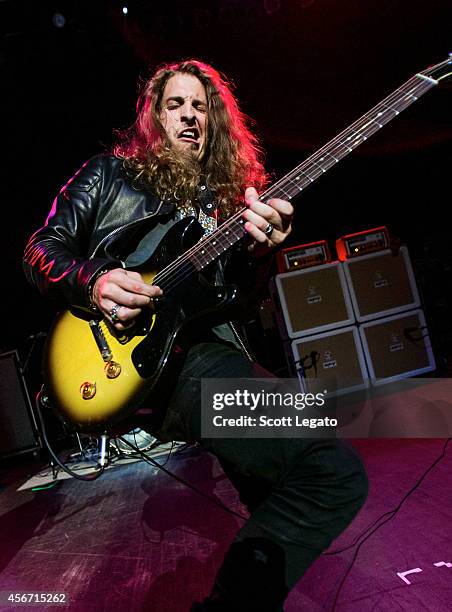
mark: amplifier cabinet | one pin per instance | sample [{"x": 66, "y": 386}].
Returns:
[
  {"x": 381, "y": 284},
  {"x": 17, "y": 423},
  {"x": 314, "y": 299},
  {"x": 332, "y": 360},
  {"x": 397, "y": 347}
]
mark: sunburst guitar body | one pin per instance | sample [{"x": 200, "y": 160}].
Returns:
[{"x": 96, "y": 376}]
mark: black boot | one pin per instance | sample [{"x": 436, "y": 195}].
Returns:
[{"x": 251, "y": 579}]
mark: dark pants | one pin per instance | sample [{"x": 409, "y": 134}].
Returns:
[{"x": 301, "y": 493}]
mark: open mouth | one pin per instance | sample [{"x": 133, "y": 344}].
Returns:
[{"x": 189, "y": 135}]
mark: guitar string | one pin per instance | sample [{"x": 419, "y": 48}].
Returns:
[
  {"x": 395, "y": 102},
  {"x": 397, "y": 96},
  {"x": 205, "y": 243},
  {"x": 421, "y": 88},
  {"x": 415, "y": 80},
  {"x": 183, "y": 266},
  {"x": 317, "y": 154},
  {"x": 195, "y": 258},
  {"x": 186, "y": 265}
]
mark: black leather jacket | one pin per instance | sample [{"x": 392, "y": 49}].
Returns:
[
  {"x": 91, "y": 227},
  {"x": 95, "y": 222}
]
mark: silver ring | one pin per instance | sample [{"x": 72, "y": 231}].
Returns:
[
  {"x": 114, "y": 313},
  {"x": 268, "y": 231}
]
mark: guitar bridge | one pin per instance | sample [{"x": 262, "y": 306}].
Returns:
[{"x": 101, "y": 342}]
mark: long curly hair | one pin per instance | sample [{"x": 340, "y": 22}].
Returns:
[{"x": 233, "y": 158}]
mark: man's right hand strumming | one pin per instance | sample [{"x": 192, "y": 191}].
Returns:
[{"x": 121, "y": 294}]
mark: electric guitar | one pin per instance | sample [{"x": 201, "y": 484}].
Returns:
[{"x": 96, "y": 376}]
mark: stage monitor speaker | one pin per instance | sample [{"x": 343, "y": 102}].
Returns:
[
  {"x": 17, "y": 424},
  {"x": 333, "y": 358},
  {"x": 381, "y": 284},
  {"x": 397, "y": 347},
  {"x": 314, "y": 300}
]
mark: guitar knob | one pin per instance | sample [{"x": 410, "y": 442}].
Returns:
[
  {"x": 88, "y": 390},
  {"x": 112, "y": 369}
]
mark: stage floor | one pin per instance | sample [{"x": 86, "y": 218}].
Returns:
[{"x": 137, "y": 540}]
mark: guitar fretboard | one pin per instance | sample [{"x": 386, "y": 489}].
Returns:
[{"x": 315, "y": 166}]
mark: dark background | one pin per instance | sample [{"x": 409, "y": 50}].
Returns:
[{"x": 303, "y": 69}]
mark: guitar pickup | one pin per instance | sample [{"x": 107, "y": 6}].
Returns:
[{"x": 101, "y": 342}]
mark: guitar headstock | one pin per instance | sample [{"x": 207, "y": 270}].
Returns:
[{"x": 439, "y": 72}]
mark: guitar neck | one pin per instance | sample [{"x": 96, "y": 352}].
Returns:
[
  {"x": 293, "y": 183},
  {"x": 348, "y": 140}
]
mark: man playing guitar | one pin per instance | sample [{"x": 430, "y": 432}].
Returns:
[{"x": 190, "y": 153}]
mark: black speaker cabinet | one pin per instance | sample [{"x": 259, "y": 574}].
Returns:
[
  {"x": 17, "y": 424},
  {"x": 397, "y": 347},
  {"x": 314, "y": 300},
  {"x": 333, "y": 359},
  {"x": 381, "y": 284}
]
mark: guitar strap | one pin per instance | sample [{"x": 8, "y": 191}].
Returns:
[
  {"x": 205, "y": 211},
  {"x": 208, "y": 222}
]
